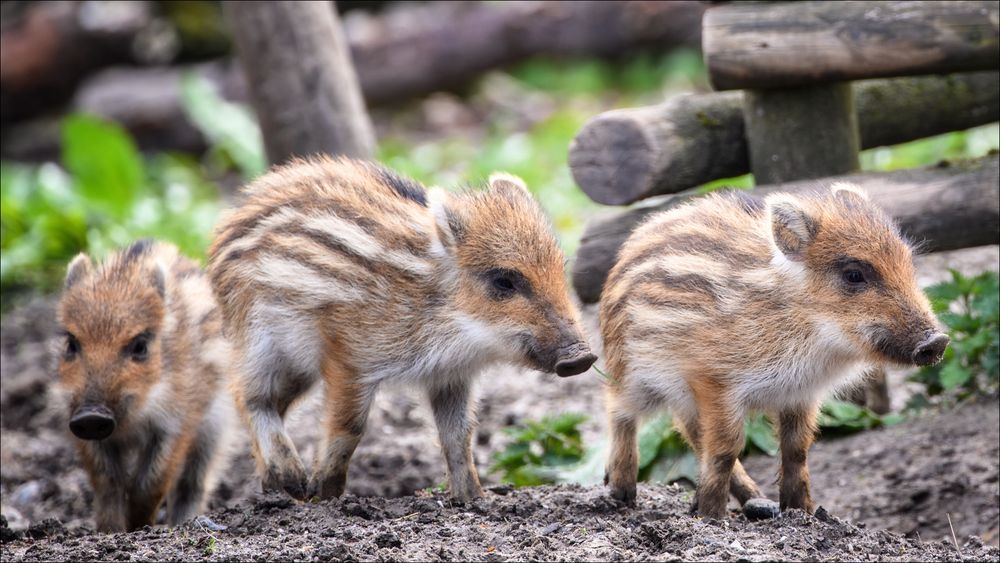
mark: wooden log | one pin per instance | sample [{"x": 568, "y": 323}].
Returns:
[
  {"x": 47, "y": 48},
  {"x": 407, "y": 50},
  {"x": 301, "y": 79},
  {"x": 801, "y": 133},
  {"x": 940, "y": 207},
  {"x": 785, "y": 44},
  {"x": 626, "y": 155}
]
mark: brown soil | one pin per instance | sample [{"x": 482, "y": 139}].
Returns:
[
  {"x": 908, "y": 479},
  {"x": 543, "y": 523}
]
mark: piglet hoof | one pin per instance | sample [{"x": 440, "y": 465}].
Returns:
[
  {"x": 327, "y": 487},
  {"x": 292, "y": 480},
  {"x": 625, "y": 494},
  {"x": 760, "y": 509}
]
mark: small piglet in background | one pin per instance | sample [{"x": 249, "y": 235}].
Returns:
[
  {"x": 342, "y": 271},
  {"x": 145, "y": 368},
  {"x": 732, "y": 304}
]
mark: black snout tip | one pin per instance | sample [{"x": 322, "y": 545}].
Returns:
[
  {"x": 93, "y": 423},
  {"x": 575, "y": 366},
  {"x": 930, "y": 351}
]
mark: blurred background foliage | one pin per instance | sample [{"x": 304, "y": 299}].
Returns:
[{"x": 103, "y": 193}]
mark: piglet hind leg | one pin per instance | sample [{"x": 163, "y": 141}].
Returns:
[
  {"x": 264, "y": 400},
  {"x": 741, "y": 485},
  {"x": 622, "y": 470},
  {"x": 453, "y": 413},
  {"x": 721, "y": 441},
  {"x": 348, "y": 402},
  {"x": 797, "y": 428}
]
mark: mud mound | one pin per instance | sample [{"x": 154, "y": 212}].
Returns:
[
  {"x": 543, "y": 523},
  {"x": 913, "y": 477}
]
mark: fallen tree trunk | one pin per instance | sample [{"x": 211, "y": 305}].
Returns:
[
  {"x": 441, "y": 45},
  {"x": 626, "y": 155},
  {"x": 406, "y": 51},
  {"x": 940, "y": 207},
  {"x": 47, "y": 48},
  {"x": 785, "y": 44}
]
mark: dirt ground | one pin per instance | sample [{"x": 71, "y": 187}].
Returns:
[
  {"x": 908, "y": 479},
  {"x": 545, "y": 523}
]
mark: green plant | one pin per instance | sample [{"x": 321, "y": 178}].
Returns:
[
  {"x": 843, "y": 417},
  {"x": 550, "y": 450},
  {"x": 232, "y": 130},
  {"x": 970, "y": 308},
  {"x": 104, "y": 196},
  {"x": 538, "y": 447}
]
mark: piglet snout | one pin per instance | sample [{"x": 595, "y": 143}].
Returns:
[
  {"x": 930, "y": 350},
  {"x": 576, "y": 363},
  {"x": 92, "y": 422}
]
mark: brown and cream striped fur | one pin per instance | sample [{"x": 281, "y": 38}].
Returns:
[
  {"x": 144, "y": 365},
  {"x": 345, "y": 272},
  {"x": 732, "y": 304}
]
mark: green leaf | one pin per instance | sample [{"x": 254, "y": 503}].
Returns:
[
  {"x": 651, "y": 436},
  {"x": 230, "y": 127},
  {"x": 843, "y": 411},
  {"x": 953, "y": 375},
  {"x": 104, "y": 162},
  {"x": 760, "y": 433}
]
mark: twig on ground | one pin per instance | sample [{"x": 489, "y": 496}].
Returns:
[{"x": 953, "y": 538}]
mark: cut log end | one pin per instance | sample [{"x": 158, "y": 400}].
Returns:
[{"x": 613, "y": 159}]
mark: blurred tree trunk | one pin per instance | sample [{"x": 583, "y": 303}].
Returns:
[{"x": 301, "y": 79}]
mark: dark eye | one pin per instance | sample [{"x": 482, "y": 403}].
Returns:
[
  {"x": 138, "y": 348},
  {"x": 72, "y": 347},
  {"x": 854, "y": 276},
  {"x": 504, "y": 283}
]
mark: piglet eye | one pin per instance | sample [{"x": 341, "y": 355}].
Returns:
[
  {"x": 503, "y": 283},
  {"x": 138, "y": 348},
  {"x": 72, "y": 347},
  {"x": 854, "y": 276}
]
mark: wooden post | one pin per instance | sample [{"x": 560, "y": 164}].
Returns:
[
  {"x": 301, "y": 79},
  {"x": 801, "y": 133}
]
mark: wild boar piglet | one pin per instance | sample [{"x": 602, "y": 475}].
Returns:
[
  {"x": 144, "y": 366},
  {"x": 344, "y": 272},
  {"x": 732, "y": 304}
]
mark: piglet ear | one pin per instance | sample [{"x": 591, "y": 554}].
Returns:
[
  {"x": 449, "y": 217},
  {"x": 78, "y": 269},
  {"x": 159, "y": 279},
  {"x": 849, "y": 192},
  {"x": 509, "y": 184},
  {"x": 791, "y": 226}
]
